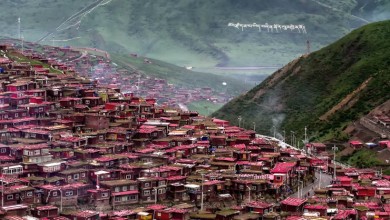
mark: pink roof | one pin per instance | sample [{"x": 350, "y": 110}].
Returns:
[
  {"x": 156, "y": 207},
  {"x": 47, "y": 207},
  {"x": 343, "y": 214},
  {"x": 283, "y": 167},
  {"x": 172, "y": 178},
  {"x": 212, "y": 182},
  {"x": 72, "y": 139},
  {"x": 123, "y": 213},
  {"x": 355, "y": 143},
  {"x": 318, "y": 145},
  {"x": 315, "y": 207},
  {"x": 260, "y": 141},
  {"x": 293, "y": 201},
  {"x": 131, "y": 192},
  {"x": 175, "y": 210},
  {"x": 229, "y": 159},
  {"x": 259, "y": 204}
]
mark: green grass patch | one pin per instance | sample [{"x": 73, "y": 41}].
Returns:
[{"x": 204, "y": 107}]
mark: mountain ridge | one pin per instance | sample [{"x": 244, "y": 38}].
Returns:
[
  {"x": 191, "y": 33},
  {"x": 307, "y": 88}
]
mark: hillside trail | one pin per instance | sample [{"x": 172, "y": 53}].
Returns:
[
  {"x": 83, "y": 11},
  {"x": 338, "y": 10},
  {"x": 346, "y": 100}
]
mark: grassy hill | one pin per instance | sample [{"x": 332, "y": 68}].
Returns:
[
  {"x": 324, "y": 91},
  {"x": 190, "y": 32},
  {"x": 179, "y": 76}
]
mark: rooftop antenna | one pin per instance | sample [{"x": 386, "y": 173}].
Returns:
[{"x": 307, "y": 46}]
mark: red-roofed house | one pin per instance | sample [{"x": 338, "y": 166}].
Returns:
[
  {"x": 316, "y": 148},
  {"x": 282, "y": 171},
  {"x": 293, "y": 204},
  {"x": 356, "y": 144},
  {"x": 322, "y": 209}
]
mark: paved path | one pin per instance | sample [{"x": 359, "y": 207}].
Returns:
[{"x": 325, "y": 181}]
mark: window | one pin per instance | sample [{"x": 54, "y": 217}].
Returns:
[
  {"x": 29, "y": 194},
  {"x": 40, "y": 109},
  {"x": 37, "y": 152},
  {"x": 117, "y": 199},
  {"x": 3, "y": 150},
  {"x": 69, "y": 177},
  {"x": 76, "y": 176},
  {"x": 253, "y": 187},
  {"x": 16, "y": 115},
  {"x": 101, "y": 137},
  {"x": 117, "y": 189},
  {"x": 147, "y": 184},
  {"x": 69, "y": 193},
  {"x": 124, "y": 188},
  {"x": 55, "y": 194},
  {"x": 33, "y": 135},
  {"x": 87, "y": 102},
  {"x": 161, "y": 191},
  {"x": 161, "y": 183},
  {"x": 132, "y": 187},
  {"x": 10, "y": 197},
  {"x": 82, "y": 174},
  {"x": 128, "y": 176},
  {"x": 104, "y": 194},
  {"x": 146, "y": 192},
  {"x": 132, "y": 197}
]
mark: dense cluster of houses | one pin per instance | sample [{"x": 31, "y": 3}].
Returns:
[
  {"x": 103, "y": 70},
  {"x": 74, "y": 148}
]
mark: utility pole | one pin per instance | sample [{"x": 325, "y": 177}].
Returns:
[
  {"x": 249, "y": 193},
  {"x": 254, "y": 126},
  {"x": 319, "y": 180},
  {"x": 155, "y": 196},
  {"x": 19, "y": 28},
  {"x": 307, "y": 46},
  {"x": 274, "y": 130},
  {"x": 334, "y": 148},
  {"x": 22, "y": 44},
  {"x": 299, "y": 180},
  {"x": 201, "y": 199},
  {"x": 2, "y": 191},
  {"x": 239, "y": 121},
  {"x": 305, "y": 135}
]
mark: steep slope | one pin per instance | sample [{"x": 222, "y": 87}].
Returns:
[
  {"x": 324, "y": 91},
  {"x": 190, "y": 32}
]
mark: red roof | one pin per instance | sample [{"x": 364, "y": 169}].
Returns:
[
  {"x": 293, "y": 201},
  {"x": 355, "y": 143},
  {"x": 343, "y": 214},
  {"x": 259, "y": 204},
  {"x": 131, "y": 192},
  {"x": 47, "y": 207},
  {"x": 156, "y": 207},
  {"x": 283, "y": 167},
  {"x": 315, "y": 207}
]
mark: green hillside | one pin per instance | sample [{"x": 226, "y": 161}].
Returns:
[
  {"x": 190, "y": 32},
  {"x": 324, "y": 91},
  {"x": 180, "y": 76}
]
